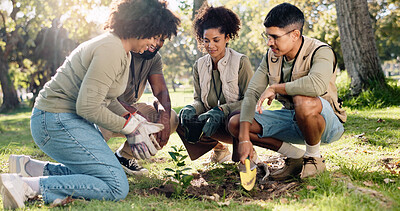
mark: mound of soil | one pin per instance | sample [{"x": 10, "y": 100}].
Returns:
[{"x": 223, "y": 181}]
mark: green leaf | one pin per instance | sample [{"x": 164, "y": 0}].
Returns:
[
  {"x": 169, "y": 169},
  {"x": 187, "y": 178},
  {"x": 172, "y": 154},
  {"x": 174, "y": 147}
]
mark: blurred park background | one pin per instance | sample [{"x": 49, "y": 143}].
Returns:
[{"x": 36, "y": 36}]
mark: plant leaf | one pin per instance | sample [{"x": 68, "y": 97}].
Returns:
[
  {"x": 169, "y": 169},
  {"x": 172, "y": 154}
]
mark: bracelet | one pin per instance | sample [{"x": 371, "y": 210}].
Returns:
[{"x": 241, "y": 142}]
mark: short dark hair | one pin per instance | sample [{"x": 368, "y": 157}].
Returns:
[
  {"x": 283, "y": 15},
  {"x": 216, "y": 17},
  {"x": 142, "y": 19}
]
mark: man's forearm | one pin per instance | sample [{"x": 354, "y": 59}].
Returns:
[
  {"x": 279, "y": 88},
  {"x": 165, "y": 101}
]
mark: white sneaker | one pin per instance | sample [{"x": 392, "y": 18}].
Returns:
[
  {"x": 14, "y": 191},
  {"x": 17, "y": 164}
]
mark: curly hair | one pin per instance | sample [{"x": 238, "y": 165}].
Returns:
[
  {"x": 142, "y": 19},
  {"x": 216, "y": 17}
]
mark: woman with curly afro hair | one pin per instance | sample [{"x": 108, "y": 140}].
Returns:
[
  {"x": 220, "y": 80},
  {"x": 81, "y": 96}
]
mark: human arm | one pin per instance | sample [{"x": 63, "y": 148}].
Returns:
[
  {"x": 100, "y": 78},
  {"x": 160, "y": 91},
  {"x": 316, "y": 82},
  {"x": 256, "y": 86}
]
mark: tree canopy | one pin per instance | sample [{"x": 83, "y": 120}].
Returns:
[{"x": 35, "y": 36}]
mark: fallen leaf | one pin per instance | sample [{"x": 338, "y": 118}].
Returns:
[
  {"x": 380, "y": 120},
  {"x": 387, "y": 180},
  {"x": 216, "y": 196},
  {"x": 227, "y": 203},
  {"x": 284, "y": 201},
  {"x": 310, "y": 187},
  {"x": 368, "y": 183},
  {"x": 359, "y": 135}
]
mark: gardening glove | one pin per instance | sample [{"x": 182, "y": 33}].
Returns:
[
  {"x": 186, "y": 114},
  {"x": 142, "y": 141},
  {"x": 214, "y": 119}
]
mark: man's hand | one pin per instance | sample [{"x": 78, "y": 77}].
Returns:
[
  {"x": 214, "y": 119},
  {"x": 163, "y": 136},
  {"x": 245, "y": 150},
  {"x": 269, "y": 94},
  {"x": 186, "y": 113},
  {"x": 245, "y": 147}
]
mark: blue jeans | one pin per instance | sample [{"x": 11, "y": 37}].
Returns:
[
  {"x": 89, "y": 168},
  {"x": 282, "y": 125}
]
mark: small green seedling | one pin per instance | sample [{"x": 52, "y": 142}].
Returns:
[{"x": 178, "y": 174}]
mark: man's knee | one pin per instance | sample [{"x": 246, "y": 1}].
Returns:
[
  {"x": 173, "y": 121},
  {"x": 306, "y": 107},
  {"x": 234, "y": 125}
]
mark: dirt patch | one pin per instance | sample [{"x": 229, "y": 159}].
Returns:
[{"x": 223, "y": 182}]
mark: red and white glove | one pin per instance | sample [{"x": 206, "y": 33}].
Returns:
[{"x": 141, "y": 140}]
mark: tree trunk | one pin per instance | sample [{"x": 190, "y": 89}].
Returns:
[
  {"x": 357, "y": 40},
  {"x": 196, "y": 6},
  {"x": 173, "y": 84},
  {"x": 10, "y": 97}
]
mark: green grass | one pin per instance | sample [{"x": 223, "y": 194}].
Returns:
[
  {"x": 376, "y": 97},
  {"x": 358, "y": 176}
]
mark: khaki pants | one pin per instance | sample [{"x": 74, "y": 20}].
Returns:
[
  {"x": 205, "y": 144},
  {"x": 150, "y": 113}
]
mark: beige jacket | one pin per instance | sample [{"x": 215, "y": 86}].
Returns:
[{"x": 229, "y": 78}]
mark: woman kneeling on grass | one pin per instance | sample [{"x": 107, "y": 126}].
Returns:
[{"x": 79, "y": 97}]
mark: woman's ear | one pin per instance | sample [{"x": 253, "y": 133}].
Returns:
[{"x": 227, "y": 38}]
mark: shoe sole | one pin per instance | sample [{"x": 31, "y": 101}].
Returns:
[
  {"x": 284, "y": 178},
  {"x": 8, "y": 192},
  {"x": 11, "y": 161},
  {"x": 130, "y": 172},
  {"x": 14, "y": 161}
]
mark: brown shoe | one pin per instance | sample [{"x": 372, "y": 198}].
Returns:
[
  {"x": 312, "y": 166},
  {"x": 291, "y": 169},
  {"x": 219, "y": 156}
]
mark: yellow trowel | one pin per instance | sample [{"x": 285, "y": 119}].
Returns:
[{"x": 248, "y": 173}]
